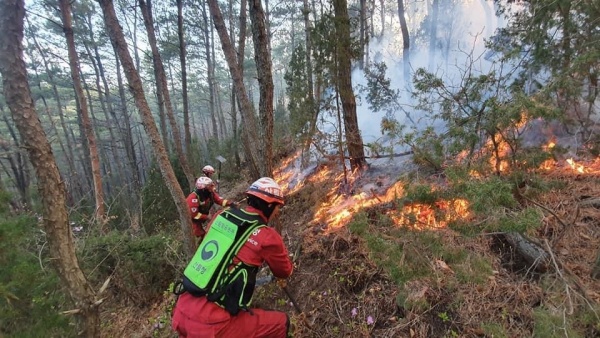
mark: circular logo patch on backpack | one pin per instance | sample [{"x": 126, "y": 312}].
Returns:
[{"x": 209, "y": 250}]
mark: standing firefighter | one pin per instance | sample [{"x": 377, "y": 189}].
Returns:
[
  {"x": 201, "y": 200},
  {"x": 208, "y": 170},
  {"x": 219, "y": 281}
]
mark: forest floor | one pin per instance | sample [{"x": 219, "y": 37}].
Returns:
[{"x": 342, "y": 290}]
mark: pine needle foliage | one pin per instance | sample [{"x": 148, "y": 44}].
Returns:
[{"x": 31, "y": 296}]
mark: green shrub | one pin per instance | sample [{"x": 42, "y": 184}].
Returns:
[
  {"x": 30, "y": 296},
  {"x": 141, "y": 268},
  {"x": 158, "y": 207}
]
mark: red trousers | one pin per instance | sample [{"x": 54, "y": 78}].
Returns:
[{"x": 196, "y": 317}]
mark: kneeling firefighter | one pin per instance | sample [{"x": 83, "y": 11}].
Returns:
[{"x": 219, "y": 281}]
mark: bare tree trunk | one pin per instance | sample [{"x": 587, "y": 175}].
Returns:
[
  {"x": 405, "y": 40},
  {"x": 106, "y": 167},
  {"x": 363, "y": 33},
  {"x": 433, "y": 33},
  {"x": 268, "y": 25},
  {"x": 71, "y": 167},
  {"x": 106, "y": 101},
  {"x": 65, "y": 11},
  {"x": 309, "y": 78},
  {"x": 135, "y": 84},
  {"x": 382, "y": 15},
  {"x": 403, "y": 25},
  {"x": 262, "y": 57},
  {"x": 251, "y": 141},
  {"x": 127, "y": 133},
  {"x": 210, "y": 73},
  {"x": 17, "y": 165},
  {"x": 69, "y": 154},
  {"x": 184, "y": 90},
  {"x": 106, "y": 107},
  {"x": 344, "y": 80},
  {"x": 51, "y": 187},
  {"x": 162, "y": 88},
  {"x": 240, "y": 52}
]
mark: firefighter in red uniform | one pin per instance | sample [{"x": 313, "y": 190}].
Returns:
[
  {"x": 201, "y": 200},
  {"x": 223, "y": 312},
  {"x": 208, "y": 170}
]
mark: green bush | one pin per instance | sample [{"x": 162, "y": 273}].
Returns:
[
  {"x": 141, "y": 268},
  {"x": 30, "y": 296},
  {"x": 158, "y": 207}
]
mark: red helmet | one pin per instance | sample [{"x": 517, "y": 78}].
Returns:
[
  {"x": 267, "y": 190},
  {"x": 204, "y": 182},
  {"x": 208, "y": 170}
]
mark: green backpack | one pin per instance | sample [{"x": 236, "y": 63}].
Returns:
[{"x": 209, "y": 273}]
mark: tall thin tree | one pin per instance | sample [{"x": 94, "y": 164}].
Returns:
[
  {"x": 250, "y": 136},
  {"x": 344, "y": 82},
  {"x": 262, "y": 57},
  {"x": 66, "y": 18},
  {"x": 117, "y": 38},
  {"x": 50, "y": 185},
  {"x": 163, "y": 89},
  {"x": 184, "y": 90}
]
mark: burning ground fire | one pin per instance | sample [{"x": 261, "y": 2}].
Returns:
[
  {"x": 341, "y": 205},
  {"x": 343, "y": 202}
]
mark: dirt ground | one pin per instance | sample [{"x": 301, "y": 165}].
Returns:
[{"x": 340, "y": 292}]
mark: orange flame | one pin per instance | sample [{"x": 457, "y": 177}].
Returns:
[
  {"x": 425, "y": 216},
  {"x": 575, "y": 166}
]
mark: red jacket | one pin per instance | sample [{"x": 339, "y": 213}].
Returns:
[
  {"x": 264, "y": 245},
  {"x": 197, "y": 317},
  {"x": 200, "y": 208}
]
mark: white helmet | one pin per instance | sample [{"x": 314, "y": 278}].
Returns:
[
  {"x": 267, "y": 190},
  {"x": 208, "y": 170},
  {"x": 203, "y": 183}
]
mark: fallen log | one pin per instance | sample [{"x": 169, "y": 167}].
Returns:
[
  {"x": 596, "y": 269},
  {"x": 590, "y": 202},
  {"x": 536, "y": 257}
]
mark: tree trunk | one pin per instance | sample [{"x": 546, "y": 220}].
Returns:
[
  {"x": 69, "y": 154},
  {"x": 405, "y": 41},
  {"x": 363, "y": 33},
  {"x": 65, "y": 11},
  {"x": 268, "y": 25},
  {"x": 344, "y": 68},
  {"x": 251, "y": 141},
  {"x": 184, "y": 90},
  {"x": 309, "y": 79},
  {"x": 51, "y": 187},
  {"x": 240, "y": 52},
  {"x": 403, "y": 26},
  {"x": 210, "y": 74},
  {"x": 128, "y": 133},
  {"x": 162, "y": 88},
  {"x": 135, "y": 84},
  {"x": 106, "y": 167},
  {"x": 262, "y": 57},
  {"x": 105, "y": 105},
  {"x": 106, "y": 100},
  {"x": 382, "y": 16},
  {"x": 596, "y": 269},
  {"x": 71, "y": 173},
  {"x": 17, "y": 166},
  {"x": 536, "y": 258},
  {"x": 435, "y": 7}
]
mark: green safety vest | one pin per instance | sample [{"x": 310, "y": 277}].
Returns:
[{"x": 209, "y": 273}]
